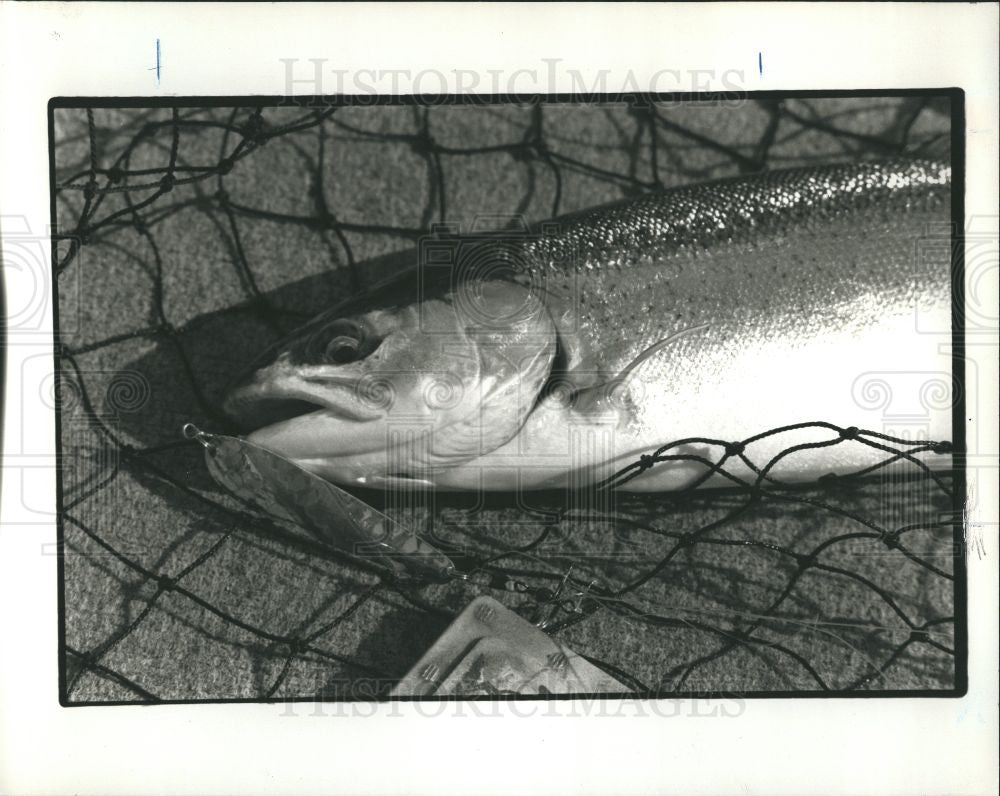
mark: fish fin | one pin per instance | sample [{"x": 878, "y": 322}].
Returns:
[
  {"x": 598, "y": 394},
  {"x": 648, "y": 352}
]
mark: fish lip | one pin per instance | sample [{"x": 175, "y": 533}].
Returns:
[{"x": 256, "y": 406}]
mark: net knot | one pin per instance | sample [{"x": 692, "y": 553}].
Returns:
[
  {"x": 919, "y": 634},
  {"x": 116, "y": 175},
  {"x": 167, "y": 183},
  {"x": 646, "y": 461},
  {"x": 225, "y": 166},
  {"x": 851, "y": 432},
  {"x": 140, "y": 225},
  {"x": 686, "y": 540},
  {"x": 735, "y": 448},
  {"x": 296, "y": 646},
  {"x": 165, "y": 583},
  {"x": 942, "y": 447},
  {"x": 806, "y": 560},
  {"x": 90, "y": 190},
  {"x": 253, "y": 130},
  {"x": 891, "y": 539}
]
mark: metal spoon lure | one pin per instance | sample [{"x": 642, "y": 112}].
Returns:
[{"x": 283, "y": 490}]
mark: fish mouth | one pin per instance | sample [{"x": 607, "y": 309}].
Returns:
[{"x": 254, "y": 405}]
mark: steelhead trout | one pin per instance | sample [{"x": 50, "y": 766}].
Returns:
[{"x": 555, "y": 356}]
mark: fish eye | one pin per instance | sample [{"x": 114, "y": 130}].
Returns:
[
  {"x": 342, "y": 349},
  {"x": 346, "y": 341}
]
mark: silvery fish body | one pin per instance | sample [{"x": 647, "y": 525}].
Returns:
[{"x": 555, "y": 357}]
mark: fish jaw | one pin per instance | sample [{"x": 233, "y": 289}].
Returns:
[{"x": 282, "y": 385}]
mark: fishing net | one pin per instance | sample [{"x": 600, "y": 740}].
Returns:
[{"x": 188, "y": 238}]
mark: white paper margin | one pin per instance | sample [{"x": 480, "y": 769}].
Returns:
[{"x": 882, "y": 746}]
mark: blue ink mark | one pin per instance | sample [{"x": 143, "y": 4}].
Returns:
[
  {"x": 157, "y": 62},
  {"x": 760, "y": 59}
]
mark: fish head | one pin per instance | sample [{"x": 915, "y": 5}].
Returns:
[{"x": 401, "y": 387}]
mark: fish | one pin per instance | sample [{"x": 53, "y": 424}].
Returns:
[{"x": 551, "y": 356}]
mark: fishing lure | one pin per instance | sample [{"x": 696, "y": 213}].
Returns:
[{"x": 286, "y": 492}]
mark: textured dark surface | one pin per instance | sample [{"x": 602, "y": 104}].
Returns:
[{"x": 157, "y": 316}]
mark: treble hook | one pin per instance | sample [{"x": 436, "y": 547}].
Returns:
[{"x": 553, "y": 603}]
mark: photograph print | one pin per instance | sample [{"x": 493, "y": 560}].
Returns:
[{"x": 439, "y": 398}]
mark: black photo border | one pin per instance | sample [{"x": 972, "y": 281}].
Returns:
[{"x": 959, "y": 519}]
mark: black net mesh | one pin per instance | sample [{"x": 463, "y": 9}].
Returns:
[{"x": 188, "y": 238}]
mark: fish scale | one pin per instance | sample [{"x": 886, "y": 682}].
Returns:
[{"x": 748, "y": 251}]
